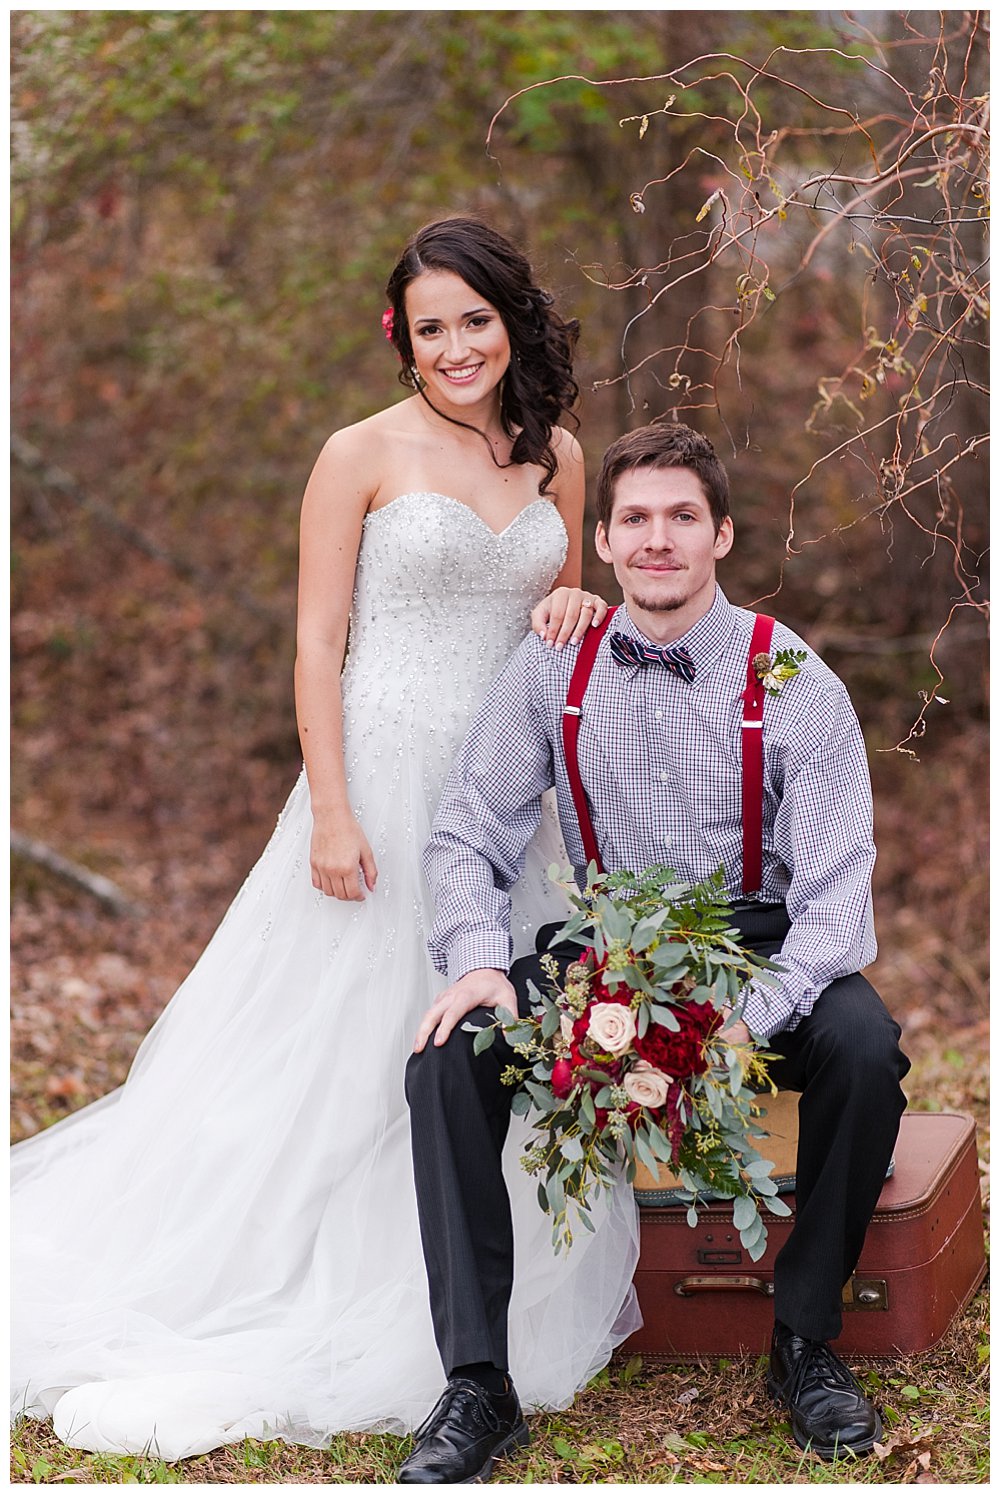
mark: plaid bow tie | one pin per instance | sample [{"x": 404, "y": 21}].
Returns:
[{"x": 629, "y": 651}]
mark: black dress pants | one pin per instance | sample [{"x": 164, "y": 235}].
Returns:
[{"x": 844, "y": 1058}]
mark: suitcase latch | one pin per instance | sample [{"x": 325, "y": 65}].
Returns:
[
  {"x": 866, "y": 1294},
  {"x": 720, "y": 1257}
]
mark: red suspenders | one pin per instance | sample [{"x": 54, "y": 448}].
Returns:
[
  {"x": 753, "y": 757},
  {"x": 752, "y": 743},
  {"x": 571, "y": 730}
]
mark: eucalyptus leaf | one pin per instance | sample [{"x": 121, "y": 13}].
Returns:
[
  {"x": 660, "y": 1144},
  {"x": 665, "y": 1016},
  {"x": 744, "y": 1212},
  {"x": 572, "y": 1149},
  {"x": 645, "y": 1152},
  {"x": 556, "y": 1195},
  {"x": 759, "y": 1167},
  {"x": 668, "y": 960},
  {"x": 520, "y": 1103},
  {"x": 573, "y": 925},
  {"x": 543, "y": 1098},
  {"x": 756, "y": 1250},
  {"x": 777, "y": 1206},
  {"x": 483, "y": 1039},
  {"x": 616, "y": 922},
  {"x": 550, "y": 1022},
  {"x": 645, "y": 931}
]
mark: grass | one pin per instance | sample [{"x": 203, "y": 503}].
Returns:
[
  {"x": 78, "y": 1014},
  {"x": 636, "y": 1423}
]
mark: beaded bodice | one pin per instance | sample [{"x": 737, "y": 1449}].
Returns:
[{"x": 440, "y": 603}]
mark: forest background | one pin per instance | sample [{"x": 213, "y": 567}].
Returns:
[{"x": 773, "y": 226}]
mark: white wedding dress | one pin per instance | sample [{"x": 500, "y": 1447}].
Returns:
[{"x": 227, "y": 1245}]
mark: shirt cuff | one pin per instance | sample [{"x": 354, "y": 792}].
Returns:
[
  {"x": 479, "y": 951},
  {"x": 766, "y": 1011}
]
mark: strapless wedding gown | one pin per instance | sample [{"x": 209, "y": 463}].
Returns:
[{"x": 227, "y": 1245}]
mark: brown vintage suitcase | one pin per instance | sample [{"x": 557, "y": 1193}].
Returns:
[{"x": 702, "y": 1297}]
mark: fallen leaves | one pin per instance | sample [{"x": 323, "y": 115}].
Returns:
[{"x": 915, "y": 1448}]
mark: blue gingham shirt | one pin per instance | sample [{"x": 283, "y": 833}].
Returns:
[{"x": 660, "y": 760}]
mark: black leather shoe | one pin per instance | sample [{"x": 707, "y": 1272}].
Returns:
[
  {"x": 830, "y": 1413},
  {"x": 464, "y": 1435}
]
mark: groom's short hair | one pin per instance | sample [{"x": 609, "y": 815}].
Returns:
[{"x": 667, "y": 445}]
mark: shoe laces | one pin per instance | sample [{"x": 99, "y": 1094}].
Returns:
[
  {"x": 818, "y": 1368},
  {"x": 455, "y": 1391}
]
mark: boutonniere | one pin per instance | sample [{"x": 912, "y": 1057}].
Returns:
[{"x": 775, "y": 673}]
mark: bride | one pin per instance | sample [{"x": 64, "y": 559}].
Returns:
[{"x": 227, "y": 1245}]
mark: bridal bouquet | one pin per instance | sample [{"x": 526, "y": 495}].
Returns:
[{"x": 626, "y": 1054}]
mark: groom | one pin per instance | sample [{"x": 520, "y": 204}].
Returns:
[{"x": 661, "y": 742}]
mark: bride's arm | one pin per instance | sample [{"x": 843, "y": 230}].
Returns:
[
  {"x": 567, "y": 612},
  {"x": 333, "y": 511}
]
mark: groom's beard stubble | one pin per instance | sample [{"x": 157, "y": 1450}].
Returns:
[{"x": 660, "y": 604}]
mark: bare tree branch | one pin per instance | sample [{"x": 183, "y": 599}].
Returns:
[{"x": 96, "y": 886}]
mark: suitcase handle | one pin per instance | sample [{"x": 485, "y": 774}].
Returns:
[{"x": 689, "y": 1285}]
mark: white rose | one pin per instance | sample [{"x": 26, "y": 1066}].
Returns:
[
  {"x": 566, "y": 1027},
  {"x": 646, "y": 1085},
  {"x": 611, "y": 1025}
]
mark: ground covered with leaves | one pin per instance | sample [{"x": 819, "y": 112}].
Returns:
[
  {"x": 87, "y": 986},
  {"x": 636, "y": 1423}
]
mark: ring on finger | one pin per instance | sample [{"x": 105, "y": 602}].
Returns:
[{"x": 587, "y": 602}]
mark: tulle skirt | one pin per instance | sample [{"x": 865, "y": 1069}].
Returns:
[{"x": 227, "y": 1245}]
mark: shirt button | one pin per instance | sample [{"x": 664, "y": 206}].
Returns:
[
  {"x": 664, "y": 776},
  {"x": 658, "y": 715}
]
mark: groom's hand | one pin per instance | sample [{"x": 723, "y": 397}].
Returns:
[
  {"x": 478, "y": 988},
  {"x": 735, "y": 1033}
]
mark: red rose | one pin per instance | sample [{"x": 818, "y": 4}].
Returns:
[{"x": 562, "y": 1078}]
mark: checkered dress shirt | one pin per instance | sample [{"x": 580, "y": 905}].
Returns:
[{"x": 660, "y": 760}]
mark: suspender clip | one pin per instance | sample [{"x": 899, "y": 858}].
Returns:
[{"x": 571, "y": 710}]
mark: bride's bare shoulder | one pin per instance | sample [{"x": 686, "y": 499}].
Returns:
[
  {"x": 368, "y": 444},
  {"x": 399, "y": 419},
  {"x": 359, "y": 459},
  {"x": 569, "y": 453}
]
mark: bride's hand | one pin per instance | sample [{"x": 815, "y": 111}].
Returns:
[
  {"x": 340, "y": 856},
  {"x": 566, "y": 615}
]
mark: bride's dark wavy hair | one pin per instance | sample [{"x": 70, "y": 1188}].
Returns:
[{"x": 538, "y": 387}]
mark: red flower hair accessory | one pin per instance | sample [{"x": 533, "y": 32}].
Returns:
[{"x": 387, "y": 321}]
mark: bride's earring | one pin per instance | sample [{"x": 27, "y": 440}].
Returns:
[{"x": 414, "y": 376}]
